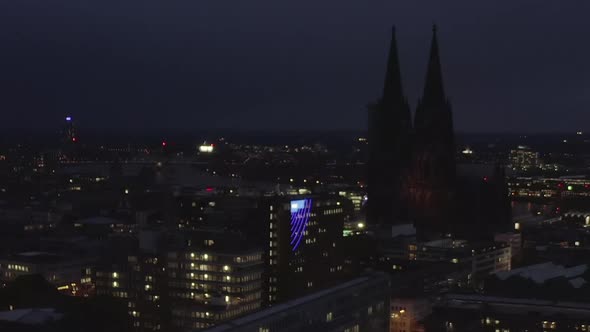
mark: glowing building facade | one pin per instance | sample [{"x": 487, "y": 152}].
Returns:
[
  {"x": 523, "y": 159},
  {"x": 304, "y": 241}
]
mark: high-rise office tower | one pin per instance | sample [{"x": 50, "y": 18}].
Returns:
[{"x": 304, "y": 252}]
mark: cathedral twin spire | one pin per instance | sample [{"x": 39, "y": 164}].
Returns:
[
  {"x": 392, "y": 89},
  {"x": 433, "y": 88},
  {"x": 393, "y": 100},
  {"x": 393, "y": 95},
  {"x": 402, "y": 154}
]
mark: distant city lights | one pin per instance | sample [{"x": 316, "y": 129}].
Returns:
[{"x": 206, "y": 148}]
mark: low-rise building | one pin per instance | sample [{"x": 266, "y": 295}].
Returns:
[
  {"x": 461, "y": 312},
  {"x": 407, "y": 314},
  {"x": 361, "y": 304},
  {"x": 63, "y": 272}
]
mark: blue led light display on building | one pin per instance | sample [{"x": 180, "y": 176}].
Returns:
[{"x": 300, "y": 212}]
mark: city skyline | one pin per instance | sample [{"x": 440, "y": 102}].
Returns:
[
  {"x": 265, "y": 166},
  {"x": 263, "y": 66}
]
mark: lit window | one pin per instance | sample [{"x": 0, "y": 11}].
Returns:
[{"x": 329, "y": 317}]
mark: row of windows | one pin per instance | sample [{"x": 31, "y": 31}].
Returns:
[
  {"x": 200, "y": 267},
  {"x": 334, "y": 269},
  {"x": 17, "y": 267},
  {"x": 333, "y": 211},
  {"x": 201, "y": 325},
  {"x": 310, "y": 241},
  {"x": 224, "y": 278},
  {"x": 205, "y": 297},
  {"x": 224, "y": 315},
  {"x": 120, "y": 294},
  {"x": 228, "y": 314},
  {"x": 209, "y": 257},
  {"x": 249, "y": 258}
]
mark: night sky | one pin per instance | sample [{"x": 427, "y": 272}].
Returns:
[{"x": 509, "y": 65}]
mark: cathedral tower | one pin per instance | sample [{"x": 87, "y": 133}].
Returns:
[
  {"x": 432, "y": 178},
  {"x": 389, "y": 146}
]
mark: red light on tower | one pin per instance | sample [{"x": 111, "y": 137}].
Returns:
[
  {"x": 164, "y": 143},
  {"x": 485, "y": 179},
  {"x": 74, "y": 139},
  {"x": 209, "y": 189}
]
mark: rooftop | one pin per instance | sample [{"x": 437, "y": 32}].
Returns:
[
  {"x": 32, "y": 316},
  {"x": 540, "y": 273},
  {"x": 275, "y": 310},
  {"x": 517, "y": 306}
]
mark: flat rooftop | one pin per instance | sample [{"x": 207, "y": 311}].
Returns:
[
  {"x": 266, "y": 313},
  {"x": 517, "y": 306}
]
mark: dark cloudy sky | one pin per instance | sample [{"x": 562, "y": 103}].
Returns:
[{"x": 509, "y": 65}]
